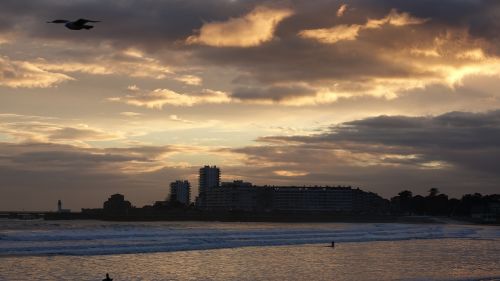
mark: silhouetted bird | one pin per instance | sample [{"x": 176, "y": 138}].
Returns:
[
  {"x": 107, "y": 278},
  {"x": 75, "y": 25}
]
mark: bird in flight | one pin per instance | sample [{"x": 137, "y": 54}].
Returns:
[{"x": 75, "y": 25}]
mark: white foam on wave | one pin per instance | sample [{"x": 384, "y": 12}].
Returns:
[{"x": 119, "y": 239}]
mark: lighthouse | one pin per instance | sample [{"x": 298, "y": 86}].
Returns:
[{"x": 60, "y": 209}]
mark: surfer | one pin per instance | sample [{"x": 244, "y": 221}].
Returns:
[
  {"x": 333, "y": 244},
  {"x": 107, "y": 278}
]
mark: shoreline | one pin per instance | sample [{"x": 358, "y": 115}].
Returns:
[
  {"x": 247, "y": 217},
  {"x": 281, "y": 218}
]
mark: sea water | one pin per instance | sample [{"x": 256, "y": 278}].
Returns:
[{"x": 86, "y": 250}]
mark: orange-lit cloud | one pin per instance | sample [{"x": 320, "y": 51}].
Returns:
[
  {"x": 24, "y": 74},
  {"x": 350, "y": 32},
  {"x": 129, "y": 63},
  {"x": 176, "y": 118},
  {"x": 395, "y": 18},
  {"x": 130, "y": 114},
  {"x": 160, "y": 97},
  {"x": 43, "y": 131},
  {"x": 333, "y": 34},
  {"x": 249, "y": 30},
  {"x": 298, "y": 72},
  {"x": 190, "y": 79},
  {"x": 285, "y": 173},
  {"x": 342, "y": 10}
]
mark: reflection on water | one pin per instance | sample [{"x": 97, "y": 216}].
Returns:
[{"x": 434, "y": 259}]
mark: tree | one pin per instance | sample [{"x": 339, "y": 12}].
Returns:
[
  {"x": 405, "y": 199},
  {"x": 433, "y": 192}
]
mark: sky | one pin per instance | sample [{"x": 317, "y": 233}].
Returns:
[{"x": 385, "y": 95}]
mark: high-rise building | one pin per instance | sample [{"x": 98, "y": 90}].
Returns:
[
  {"x": 180, "y": 191},
  {"x": 209, "y": 178}
]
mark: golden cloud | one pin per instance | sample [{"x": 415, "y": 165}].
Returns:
[
  {"x": 24, "y": 74},
  {"x": 189, "y": 80},
  {"x": 176, "y": 118},
  {"x": 160, "y": 97},
  {"x": 130, "y": 114},
  {"x": 342, "y": 9},
  {"x": 250, "y": 30},
  {"x": 285, "y": 173},
  {"x": 131, "y": 64},
  {"x": 333, "y": 34},
  {"x": 350, "y": 32},
  {"x": 395, "y": 18},
  {"x": 45, "y": 132}
]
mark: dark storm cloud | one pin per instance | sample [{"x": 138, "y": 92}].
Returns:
[
  {"x": 142, "y": 23},
  {"x": 126, "y": 23},
  {"x": 470, "y": 140}
]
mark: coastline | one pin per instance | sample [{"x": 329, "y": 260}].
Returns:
[{"x": 275, "y": 218}]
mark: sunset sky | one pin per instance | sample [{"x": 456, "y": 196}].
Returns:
[{"x": 384, "y": 95}]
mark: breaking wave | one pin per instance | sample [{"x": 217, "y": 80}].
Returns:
[{"x": 105, "y": 239}]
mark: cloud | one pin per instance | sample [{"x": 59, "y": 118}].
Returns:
[
  {"x": 290, "y": 173},
  {"x": 24, "y": 74},
  {"x": 130, "y": 62},
  {"x": 332, "y": 35},
  {"x": 82, "y": 134},
  {"x": 395, "y": 18},
  {"x": 351, "y": 32},
  {"x": 130, "y": 114},
  {"x": 342, "y": 10},
  {"x": 190, "y": 80},
  {"x": 364, "y": 63},
  {"x": 274, "y": 93},
  {"x": 250, "y": 30},
  {"x": 43, "y": 129},
  {"x": 380, "y": 48},
  {"x": 176, "y": 118},
  {"x": 456, "y": 151},
  {"x": 468, "y": 140},
  {"x": 36, "y": 175},
  {"x": 385, "y": 59},
  {"x": 160, "y": 97}
]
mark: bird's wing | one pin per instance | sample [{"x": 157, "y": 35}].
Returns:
[
  {"x": 58, "y": 21},
  {"x": 83, "y": 21}
]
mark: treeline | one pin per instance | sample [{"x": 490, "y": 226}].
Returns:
[{"x": 438, "y": 204}]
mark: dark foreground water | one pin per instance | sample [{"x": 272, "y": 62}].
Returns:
[{"x": 247, "y": 251}]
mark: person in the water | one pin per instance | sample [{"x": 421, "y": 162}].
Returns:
[
  {"x": 333, "y": 244},
  {"x": 107, "y": 278}
]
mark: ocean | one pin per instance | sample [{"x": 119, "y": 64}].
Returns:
[{"x": 87, "y": 250}]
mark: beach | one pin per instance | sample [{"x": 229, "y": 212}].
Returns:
[{"x": 86, "y": 250}]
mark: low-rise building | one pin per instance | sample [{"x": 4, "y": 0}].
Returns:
[
  {"x": 243, "y": 196},
  {"x": 117, "y": 205}
]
